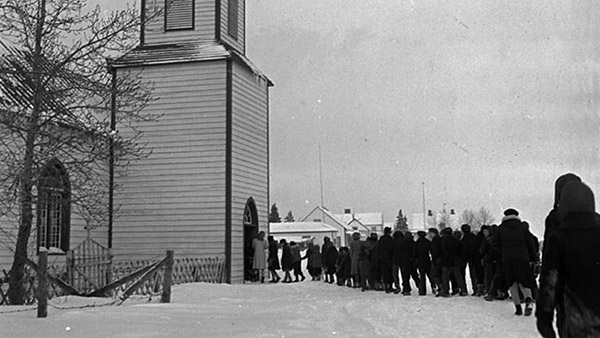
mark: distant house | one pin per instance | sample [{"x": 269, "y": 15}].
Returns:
[
  {"x": 322, "y": 215},
  {"x": 373, "y": 221},
  {"x": 302, "y": 231}
]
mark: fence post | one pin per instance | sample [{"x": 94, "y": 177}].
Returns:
[
  {"x": 167, "y": 278},
  {"x": 42, "y": 291}
]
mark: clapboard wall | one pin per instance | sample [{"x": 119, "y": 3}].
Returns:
[
  {"x": 249, "y": 156},
  {"x": 175, "y": 198}
]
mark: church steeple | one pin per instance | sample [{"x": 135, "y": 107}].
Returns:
[{"x": 194, "y": 21}]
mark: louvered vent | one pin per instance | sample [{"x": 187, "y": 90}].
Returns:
[
  {"x": 179, "y": 15},
  {"x": 232, "y": 18}
]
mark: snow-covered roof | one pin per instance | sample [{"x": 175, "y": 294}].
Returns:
[
  {"x": 330, "y": 215},
  {"x": 184, "y": 52},
  {"x": 292, "y": 227},
  {"x": 368, "y": 219}
]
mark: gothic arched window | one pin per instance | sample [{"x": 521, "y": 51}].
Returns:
[{"x": 54, "y": 208}]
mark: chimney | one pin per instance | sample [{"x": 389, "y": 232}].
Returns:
[{"x": 347, "y": 211}]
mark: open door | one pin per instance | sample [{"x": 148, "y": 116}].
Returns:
[{"x": 250, "y": 233}]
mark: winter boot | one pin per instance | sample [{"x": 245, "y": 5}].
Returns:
[
  {"x": 528, "y": 306},
  {"x": 519, "y": 310}
]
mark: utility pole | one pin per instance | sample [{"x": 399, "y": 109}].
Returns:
[{"x": 424, "y": 213}]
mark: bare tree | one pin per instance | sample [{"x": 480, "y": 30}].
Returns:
[
  {"x": 57, "y": 96},
  {"x": 484, "y": 217},
  {"x": 468, "y": 217}
]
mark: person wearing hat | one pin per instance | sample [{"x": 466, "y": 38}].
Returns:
[
  {"x": 570, "y": 276},
  {"x": 512, "y": 239}
]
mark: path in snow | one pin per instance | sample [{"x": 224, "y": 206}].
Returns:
[{"x": 307, "y": 309}]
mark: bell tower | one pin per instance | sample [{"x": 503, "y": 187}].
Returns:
[{"x": 167, "y": 22}]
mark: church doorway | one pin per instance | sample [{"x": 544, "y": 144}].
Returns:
[{"x": 250, "y": 233}]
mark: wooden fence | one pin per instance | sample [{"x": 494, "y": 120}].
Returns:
[
  {"x": 30, "y": 284},
  {"x": 185, "y": 270}
]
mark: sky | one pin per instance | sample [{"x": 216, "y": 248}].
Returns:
[{"x": 486, "y": 103}]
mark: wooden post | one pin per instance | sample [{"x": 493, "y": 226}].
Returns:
[
  {"x": 42, "y": 291},
  {"x": 167, "y": 278},
  {"x": 70, "y": 264}
]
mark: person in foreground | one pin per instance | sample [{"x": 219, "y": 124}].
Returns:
[{"x": 570, "y": 276}]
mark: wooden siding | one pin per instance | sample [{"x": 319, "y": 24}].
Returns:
[
  {"x": 204, "y": 25},
  {"x": 250, "y": 158},
  {"x": 175, "y": 198},
  {"x": 238, "y": 44}
]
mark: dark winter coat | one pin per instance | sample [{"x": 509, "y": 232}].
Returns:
[
  {"x": 570, "y": 276},
  {"x": 469, "y": 242},
  {"x": 405, "y": 252},
  {"x": 451, "y": 251},
  {"x": 365, "y": 250},
  {"x": 273, "y": 257},
  {"x": 488, "y": 253},
  {"x": 385, "y": 248},
  {"x": 513, "y": 240},
  {"x": 436, "y": 249},
  {"x": 343, "y": 264},
  {"x": 286, "y": 258},
  {"x": 330, "y": 256},
  {"x": 314, "y": 260},
  {"x": 422, "y": 249}
]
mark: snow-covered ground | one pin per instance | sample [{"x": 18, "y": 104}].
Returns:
[{"x": 306, "y": 309}]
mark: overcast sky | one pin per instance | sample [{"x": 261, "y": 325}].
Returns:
[{"x": 486, "y": 102}]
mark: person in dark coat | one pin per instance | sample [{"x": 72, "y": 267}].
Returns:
[
  {"x": 398, "y": 237},
  {"x": 386, "y": 253},
  {"x": 422, "y": 249},
  {"x": 469, "y": 242},
  {"x": 498, "y": 289},
  {"x": 436, "y": 259},
  {"x": 316, "y": 264},
  {"x": 364, "y": 263},
  {"x": 517, "y": 250},
  {"x": 375, "y": 264},
  {"x": 273, "y": 260},
  {"x": 296, "y": 259},
  {"x": 343, "y": 267},
  {"x": 329, "y": 256},
  {"x": 286, "y": 260},
  {"x": 479, "y": 239},
  {"x": 406, "y": 252},
  {"x": 355, "y": 247},
  {"x": 489, "y": 258},
  {"x": 451, "y": 262},
  {"x": 570, "y": 277},
  {"x": 553, "y": 219}
]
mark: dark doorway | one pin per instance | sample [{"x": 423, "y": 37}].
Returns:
[{"x": 250, "y": 233}]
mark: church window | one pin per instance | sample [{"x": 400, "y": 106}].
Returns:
[
  {"x": 53, "y": 217},
  {"x": 179, "y": 15}
]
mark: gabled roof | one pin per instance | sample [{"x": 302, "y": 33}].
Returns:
[
  {"x": 372, "y": 218},
  {"x": 328, "y": 213},
  {"x": 291, "y": 227},
  {"x": 180, "y": 53}
]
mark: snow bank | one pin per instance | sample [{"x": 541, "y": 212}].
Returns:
[{"x": 307, "y": 309}]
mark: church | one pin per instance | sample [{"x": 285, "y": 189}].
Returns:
[{"x": 203, "y": 191}]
